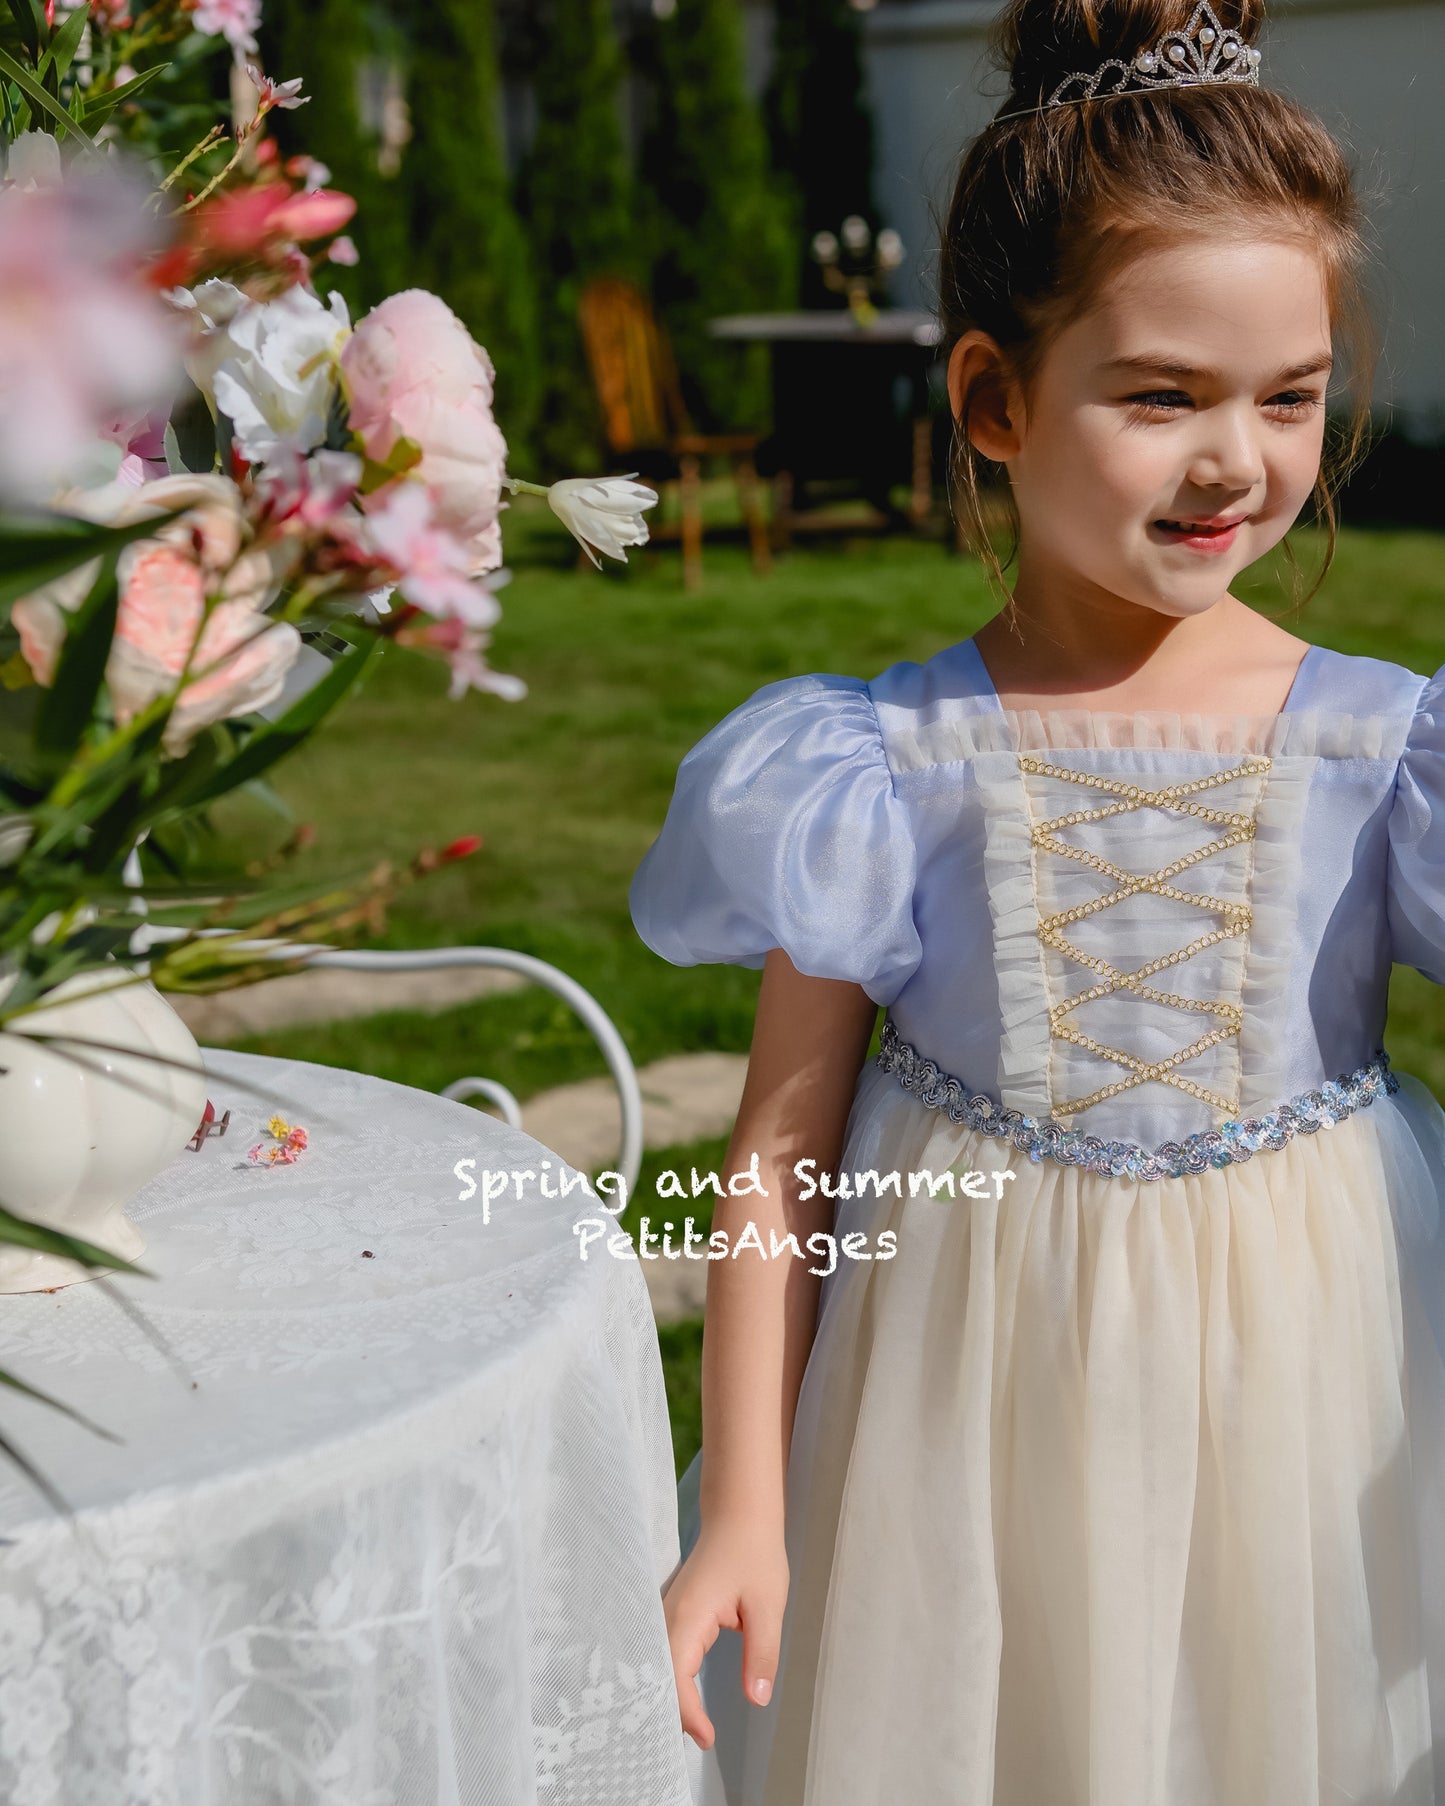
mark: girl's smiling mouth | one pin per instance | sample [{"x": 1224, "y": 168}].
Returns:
[{"x": 1209, "y": 535}]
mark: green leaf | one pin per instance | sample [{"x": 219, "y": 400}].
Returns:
[
  {"x": 274, "y": 741},
  {"x": 101, "y": 108},
  {"x": 194, "y": 766},
  {"x": 116, "y": 827},
  {"x": 15, "y": 674},
  {"x": 17, "y": 111},
  {"x": 403, "y": 456},
  {"x": 37, "y": 96},
  {"x": 33, "y": 551},
  {"x": 19, "y": 1233},
  {"x": 32, "y": 1473},
  {"x": 63, "y": 45},
  {"x": 56, "y": 1404},
  {"x": 31, "y": 21},
  {"x": 175, "y": 463},
  {"x": 69, "y": 703},
  {"x": 270, "y": 798}
]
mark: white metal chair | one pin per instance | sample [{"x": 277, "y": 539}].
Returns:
[{"x": 539, "y": 971}]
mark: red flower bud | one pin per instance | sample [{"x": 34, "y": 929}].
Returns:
[{"x": 463, "y": 848}]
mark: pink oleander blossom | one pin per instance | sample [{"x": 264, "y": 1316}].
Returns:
[
  {"x": 113, "y": 15},
  {"x": 429, "y": 564},
  {"x": 309, "y": 171},
  {"x": 412, "y": 370},
  {"x": 82, "y": 340},
  {"x": 306, "y": 494},
  {"x": 285, "y": 96},
  {"x": 464, "y": 649},
  {"x": 143, "y": 436},
  {"x": 237, "y": 21},
  {"x": 190, "y": 604},
  {"x": 314, "y": 213}
]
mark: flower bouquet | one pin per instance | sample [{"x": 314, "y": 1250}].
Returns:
[{"x": 219, "y": 499}]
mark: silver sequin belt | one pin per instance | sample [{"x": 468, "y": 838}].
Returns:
[{"x": 1240, "y": 1139}]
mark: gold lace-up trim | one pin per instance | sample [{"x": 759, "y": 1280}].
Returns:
[{"x": 1237, "y": 918}]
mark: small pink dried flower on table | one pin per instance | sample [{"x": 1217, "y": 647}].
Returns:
[{"x": 288, "y": 1141}]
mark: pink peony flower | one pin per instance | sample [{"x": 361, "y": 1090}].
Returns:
[{"x": 412, "y": 370}]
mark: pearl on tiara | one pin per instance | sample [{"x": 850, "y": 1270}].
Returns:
[{"x": 1204, "y": 51}]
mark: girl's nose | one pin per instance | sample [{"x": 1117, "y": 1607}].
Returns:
[{"x": 1229, "y": 454}]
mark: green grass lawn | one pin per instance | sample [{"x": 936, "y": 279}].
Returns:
[{"x": 569, "y": 786}]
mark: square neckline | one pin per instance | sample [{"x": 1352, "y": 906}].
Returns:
[{"x": 991, "y": 695}]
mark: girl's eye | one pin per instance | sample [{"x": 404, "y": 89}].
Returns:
[
  {"x": 1168, "y": 400},
  {"x": 1289, "y": 404},
  {"x": 1295, "y": 401}
]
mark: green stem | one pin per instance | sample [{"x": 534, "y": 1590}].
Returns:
[
  {"x": 216, "y": 180},
  {"x": 211, "y": 139},
  {"x": 519, "y": 486}
]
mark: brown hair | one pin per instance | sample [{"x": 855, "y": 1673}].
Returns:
[{"x": 1045, "y": 203}]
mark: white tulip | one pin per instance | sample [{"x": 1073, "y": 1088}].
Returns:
[{"x": 605, "y": 512}]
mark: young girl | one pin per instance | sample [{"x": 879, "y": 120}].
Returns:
[{"x": 1118, "y": 1475}]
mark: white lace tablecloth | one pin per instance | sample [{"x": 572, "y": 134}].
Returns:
[{"x": 395, "y": 1533}]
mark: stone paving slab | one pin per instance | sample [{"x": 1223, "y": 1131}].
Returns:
[
  {"x": 684, "y": 1098},
  {"x": 302, "y": 998}
]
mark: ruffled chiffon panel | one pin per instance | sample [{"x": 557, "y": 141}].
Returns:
[{"x": 1119, "y": 1493}]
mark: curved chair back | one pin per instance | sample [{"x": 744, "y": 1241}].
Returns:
[{"x": 632, "y": 366}]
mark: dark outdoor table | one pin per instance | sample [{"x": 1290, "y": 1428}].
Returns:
[{"x": 850, "y": 403}]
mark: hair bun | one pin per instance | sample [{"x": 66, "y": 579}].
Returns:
[{"x": 1041, "y": 42}]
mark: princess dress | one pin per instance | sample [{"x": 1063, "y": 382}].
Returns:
[{"x": 1126, "y": 1486}]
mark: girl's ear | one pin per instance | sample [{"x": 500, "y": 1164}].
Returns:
[{"x": 984, "y": 397}]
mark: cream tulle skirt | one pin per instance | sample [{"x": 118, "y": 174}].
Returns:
[{"x": 1119, "y": 1493}]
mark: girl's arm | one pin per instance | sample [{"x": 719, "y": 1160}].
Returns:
[{"x": 808, "y": 1045}]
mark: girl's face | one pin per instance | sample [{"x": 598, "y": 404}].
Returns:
[{"x": 1174, "y": 432}]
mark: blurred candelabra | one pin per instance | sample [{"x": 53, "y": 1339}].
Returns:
[{"x": 860, "y": 265}]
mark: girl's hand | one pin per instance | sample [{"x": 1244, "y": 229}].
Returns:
[{"x": 736, "y": 1578}]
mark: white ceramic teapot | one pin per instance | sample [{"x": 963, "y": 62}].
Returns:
[{"x": 83, "y": 1128}]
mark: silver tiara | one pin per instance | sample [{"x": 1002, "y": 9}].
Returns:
[{"x": 1202, "y": 52}]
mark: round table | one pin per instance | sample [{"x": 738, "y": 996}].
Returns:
[
  {"x": 394, "y": 1503},
  {"x": 848, "y": 402}
]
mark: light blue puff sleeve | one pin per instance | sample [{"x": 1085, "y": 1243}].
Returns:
[
  {"x": 784, "y": 830},
  {"x": 1417, "y": 841}
]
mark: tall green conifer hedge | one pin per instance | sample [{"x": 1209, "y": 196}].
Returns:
[
  {"x": 718, "y": 222},
  {"x": 574, "y": 196}
]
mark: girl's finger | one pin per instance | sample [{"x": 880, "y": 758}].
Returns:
[
  {"x": 695, "y": 1720},
  {"x": 762, "y": 1636}
]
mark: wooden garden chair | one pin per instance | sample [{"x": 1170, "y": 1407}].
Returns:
[{"x": 646, "y": 420}]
